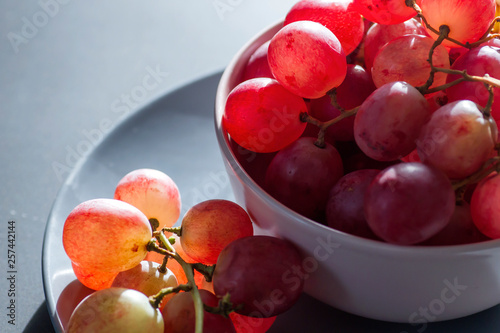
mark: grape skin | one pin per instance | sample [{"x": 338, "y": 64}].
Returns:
[
  {"x": 380, "y": 34},
  {"x": 210, "y": 226},
  {"x": 301, "y": 175},
  {"x": 179, "y": 315},
  {"x": 484, "y": 206},
  {"x": 344, "y": 209},
  {"x": 307, "y": 59},
  {"x": 338, "y": 16},
  {"x": 457, "y": 139},
  {"x": 153, "y": 192},
  {"x": 257, "y": 65},
  {"x": 411, "y": 66},
  {"x": 408, "y": 203},
  {"x": 467, "y": 20},
  {"x": 115, "y": 310},
  {"x": 389, "y": 121},
  {"x": 95, "y": 280},
  {"x": 385, "y": 11},
  {"x": 106, "y": 235},
  {"x": 263, "y": 274},
  {"x": 262, "y": 116},
  {"x": 478, "y": 61},
  {"x": 357, "y": 86}
]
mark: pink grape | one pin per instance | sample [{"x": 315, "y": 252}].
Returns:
[
  {"x": 385, "y": 11},
  {"x": 263, "y": 275},
  {"x": 408, "y": 203},
  {"x": 307, "y": 59},
  {"x": 344, "y": 209},
  {"x": 380, "y": 34},
  {"x": 146, "y": 278},
  {"x": 106, "y": 235},
  {"x": 484, "y": 206},
  {"x": 210, "y": 226},
  {"x": 337, "y": 15},
  {"x": 301, "y": 175},
  {"x": 115, "y": 310},
  {"x": 95, "y": 280},
  {"x": 457, "y": 139},
  {"x": 389, "y": 121},
  {"x": 467, "y": 20},
  {"x": 257, "y": 65},
  {"x": 179, "y": 315},
  {"x": 478, "y": 61},
  {"x": 356, "y": 87},
  {"x": 262, "y": 116},
  {"x": 460, "y": 230},
  {"x": 153, "y": 192},
  {"x": 391, "y": 64}
]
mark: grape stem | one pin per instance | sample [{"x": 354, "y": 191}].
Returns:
[
  {"x": 167, "y": 249},
  {"x": 224, "y": 308},
  {"x": 155, "y": 300},
  {"x": 444, "y": 30},
  {"x": 174, "y": 230},
  {"x": 323, "y": 125}
]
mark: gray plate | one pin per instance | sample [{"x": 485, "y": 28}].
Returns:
[{"x": 175, "y": 134}]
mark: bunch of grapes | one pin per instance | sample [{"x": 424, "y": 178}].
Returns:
[
  {"x": 377, "y": 118},
  {"x": 210, "y": 274}
]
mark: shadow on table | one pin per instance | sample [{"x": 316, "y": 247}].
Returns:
[{"x": 40, "y": 322}]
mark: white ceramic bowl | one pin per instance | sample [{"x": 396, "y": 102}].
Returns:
[{"x": 364, "y": 277}]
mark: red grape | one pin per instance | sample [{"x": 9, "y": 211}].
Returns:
[
  {"x": 405, "y": 59},
  {"x": 457, "y": 139},
  {"x": 356, "y": 87},
  {"x": 301, "y": 175},
  {"x": 106, "y": 235},
  {"x": 115, "y": 310},
  {"x": 484, "y": 206},
  {"x": 307, "y": 59},
  {"x": 467, "y": 20},
  {"x": 209, "y": 226},
  {"x": 257, "y": 65},
  {"x": 344, "y": 209},
  {"x": 262, "y": 116},
  {"x": 384, "y": 11},
  {"x": 408, "y": 203},
  {"x": 179, "y": 315},
  {"x": 478, "y": 61},
  {"x": 153, "y": 192},
  {"x": 337, "y": 15},
  {"x": 460, "y": 230},
  {"x": 389, "y": 121},
  {"x": 263, "y": 275},
  {"x": 380, "y": 34}
]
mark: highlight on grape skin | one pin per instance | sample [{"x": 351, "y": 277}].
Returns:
[
  {"x": 153, "y": 192},
  {"x": 307, "y": 59},
  {"x": 106, "y": 235},
  {"x": 262, "y": 116}
]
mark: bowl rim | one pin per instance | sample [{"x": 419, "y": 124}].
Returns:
[{"x": 227, "y": 81}]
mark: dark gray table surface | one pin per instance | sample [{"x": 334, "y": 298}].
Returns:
[{"x": 70, "y": 70}]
